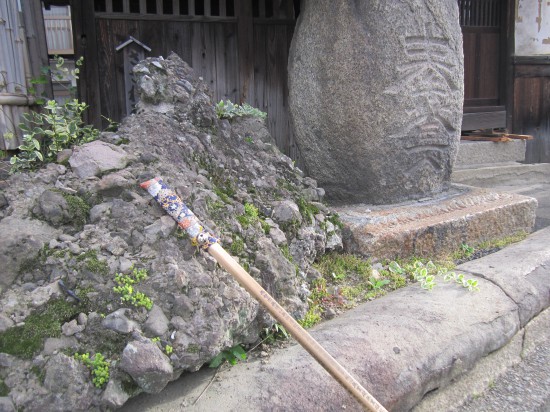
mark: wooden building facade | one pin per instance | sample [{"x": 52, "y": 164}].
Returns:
[
  {"x": 240, "y": 48},
  {"x": 502, "y": 89}
]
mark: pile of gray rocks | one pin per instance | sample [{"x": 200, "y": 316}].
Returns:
[{"x": 70, "y": 227}]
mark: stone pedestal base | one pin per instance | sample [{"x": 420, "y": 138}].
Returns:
[{"x": 435, "y": 227}]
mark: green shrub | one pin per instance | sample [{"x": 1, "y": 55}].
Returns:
[{"x": 229, "y": 110}]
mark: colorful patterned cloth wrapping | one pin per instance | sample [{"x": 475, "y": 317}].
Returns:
[{"x": 175, "y": 207}]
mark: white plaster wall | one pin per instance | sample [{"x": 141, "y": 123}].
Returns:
[{"x": 532, "y": 27}]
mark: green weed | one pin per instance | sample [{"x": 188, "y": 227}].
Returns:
[
  {"x": 231, "y": 355},
  {"x": 274, "y": 333},
  {"x": 98, "y": 365},
  {"x": 229, "y": 110},
  {"x": 168, "y": 349},
  {"x": 78, "y": 209},
  {"x": 307, "y": 209},
  {"x": 338, "y": 266},
  {"x": 126, "y": 289},
  {"x": 92, "y": 262},
  {"x": 237, "y": 246},
  {"x": 249, "y": 217}
]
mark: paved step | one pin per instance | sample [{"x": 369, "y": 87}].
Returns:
[
  {"x": 475, "y": 153},
  {"x": 524, "y": 387},
  {"x": 500, "y": 174}
]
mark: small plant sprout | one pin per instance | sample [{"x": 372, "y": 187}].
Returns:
[
  {"x": 168, "y": 349},
  {"x": 231, "y": 355},
  {"x": 274, "y": 333},
  {"x": 470, "y": 284},
  {"x": 377, "y": 284},
  {"x": 126, "y": 289},
  {"x": 98, "y": 365},
  {"x": 425, "y": 274},
  {"x": 467, "y": 250}
]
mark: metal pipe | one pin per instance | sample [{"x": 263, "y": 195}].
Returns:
[{"x": 12, "y": 99}]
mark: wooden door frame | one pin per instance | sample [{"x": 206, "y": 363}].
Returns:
[{"x": 475, "y": 117}]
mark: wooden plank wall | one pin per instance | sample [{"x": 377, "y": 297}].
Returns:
[
  {"x": 532, "y": 105},
  {"x": 243, "y": 57}
]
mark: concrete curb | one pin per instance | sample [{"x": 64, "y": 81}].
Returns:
[{"x": 406, "y": 348}]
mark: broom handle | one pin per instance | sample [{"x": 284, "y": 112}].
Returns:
[{"x": 177, "y": 209}]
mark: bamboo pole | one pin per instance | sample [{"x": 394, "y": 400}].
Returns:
[{"x": 175, "y": 207}]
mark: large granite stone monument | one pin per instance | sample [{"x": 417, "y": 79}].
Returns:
[{"x": 376, "y": 94}]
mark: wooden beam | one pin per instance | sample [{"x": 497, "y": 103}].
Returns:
[
  {"x": 85, "y": 43},
  {"x": 484, "y": 120},
  {"x": 245, "y": 34},
  {"x": 532, "y": 70},
  {"x": 537, "y": 60},
  {"x": 508, "y": 36}
]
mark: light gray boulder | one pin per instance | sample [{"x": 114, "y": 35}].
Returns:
[
  {"x": 114, "y": 395},
  {"x": 147, "y": 365},
  {"x": 68, "y": 382},
  {"x": 376, "y": 94},
  {"x": 156, "y": 323},
  {"x": 96, "y": 158},
  {"x": 6, "y": 405},
  {"x": 53, "y": 207},
  {"x": 20, "y": 244},
  {"x": 118, "y": 322}
]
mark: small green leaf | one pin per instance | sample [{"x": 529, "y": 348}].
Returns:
[
  {"x": 217, "y": 361},
  {"x": 238, "y": 351}
]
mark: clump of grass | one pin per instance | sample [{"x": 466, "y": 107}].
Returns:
[
  {"x": 92, "y": 262},
  {"x": 4, "y": 390},
  {"x": 250, "y": 216},
  {"x": 338, "y": 266},
  {"x": 237, "y": 246},
  {"x": 24, "y": 341},
  {"x": 78, "y": 209},
  {"x": 504, "y": 241},
  {"x": 307, "y": 210}
]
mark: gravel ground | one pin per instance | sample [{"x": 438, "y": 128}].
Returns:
[{"x": 523, "y": 388}]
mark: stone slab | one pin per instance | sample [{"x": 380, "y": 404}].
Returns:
[
  {"x": 526, "y": 276},
  {"x": 472, "y": 153},
  {"x": 473, "y": 383},
  {"x": 496, "y": 174},
  {"x": 537, "y": 332},
  {"x": 435, "y": 227}
]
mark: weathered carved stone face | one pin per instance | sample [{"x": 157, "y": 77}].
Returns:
[{"x": 376, "y": 92}]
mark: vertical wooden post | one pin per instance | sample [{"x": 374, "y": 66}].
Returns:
[
  {"x": 245, "y": 33},
  {"x": 85, "y": 43},
  {"x": 508, "y": 19}
]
